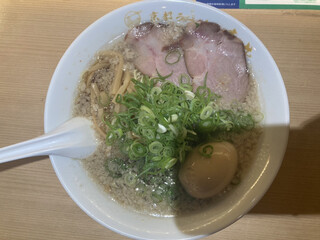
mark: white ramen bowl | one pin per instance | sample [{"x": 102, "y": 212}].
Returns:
[{"x": 258, "y": 177}]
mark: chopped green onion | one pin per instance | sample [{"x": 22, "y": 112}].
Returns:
[
  {"x": 206, "y": 112},
  {"x": 155, "y": 147},
  {"x": 184, "y": 132},
  {"x": 168, "y": 151},
  {"x": 173, "y": 129},
  {"x": 145, "y": 119},
  {"x": 170, "y": 162},
  {"x": 172, "y": 57},
  {"x": 148, "y": 110},
  {"x": 173, "y": 118},
  {"x": 130, "y": 179},
  {"x": 206, "y": 150},
  {"x": 119, "y": 98},
  {"x": 156, "y": 197},
  {"x": 185, "y": 79},
  {"x": 138, "y": 149},
  {"x": 196, "y": 105},
  {"x": 186, "y": 87},
  {"x": 155, "y": 91},
  {"x": 118, "y": 132},
  {"x": 163, "y": 121},
  {"x": 156, "y": 159},
  {"x": 189, "y": 95},
  {"x": 203, "y": 92},
  {"x": 114, "y": 135},
  {"x": 148, "y": 133},
  {"x": 161, "y": 128},
  {"x": 112, "y": 166},
  {"x": 162, "y": 78}
]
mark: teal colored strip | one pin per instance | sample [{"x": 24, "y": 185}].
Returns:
[
  {"x": 266, "y": 6},
  {"x": 242, "y": 4}
]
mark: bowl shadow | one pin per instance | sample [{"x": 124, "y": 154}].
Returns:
[
  {"x": 296, "y": 189},
  {"x": 20, "y": 162}
]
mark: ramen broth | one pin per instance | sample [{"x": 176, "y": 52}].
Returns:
[{"x": 160, "y": 195}]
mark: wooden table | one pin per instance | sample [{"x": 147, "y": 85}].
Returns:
[{"x": 33, "y": 205}]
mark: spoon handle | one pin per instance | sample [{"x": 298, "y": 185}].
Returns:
[
  {"x": 46, "y": 144},
  {"x": 74, "y": 139}
]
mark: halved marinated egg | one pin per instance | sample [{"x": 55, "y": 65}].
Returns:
[{"x": 208, "y": 169}]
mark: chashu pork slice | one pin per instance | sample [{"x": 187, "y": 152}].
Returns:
[
  {"x": 153, "y": 52},
  {"x": 218, "y": 56}
]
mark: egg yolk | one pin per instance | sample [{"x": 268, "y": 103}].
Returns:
[{"x": 203, "y": 176}]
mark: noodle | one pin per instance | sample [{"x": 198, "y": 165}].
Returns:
[
  {"x": 105, "y": 61},
  {"x": 130, "y": 88},
  {"x": 118, "y": 72},
  {"x": 124, "y": 86}
]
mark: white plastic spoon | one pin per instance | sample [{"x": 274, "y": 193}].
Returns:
[{"x": 75, "y": 139}]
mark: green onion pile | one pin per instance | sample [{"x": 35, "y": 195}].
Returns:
[{"x": 163, "y": 121}]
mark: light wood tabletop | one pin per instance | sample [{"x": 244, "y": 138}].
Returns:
[{"x": 33, "y": 205}]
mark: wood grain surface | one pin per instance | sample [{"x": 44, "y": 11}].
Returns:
[{"x": 33, "y": 205}]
